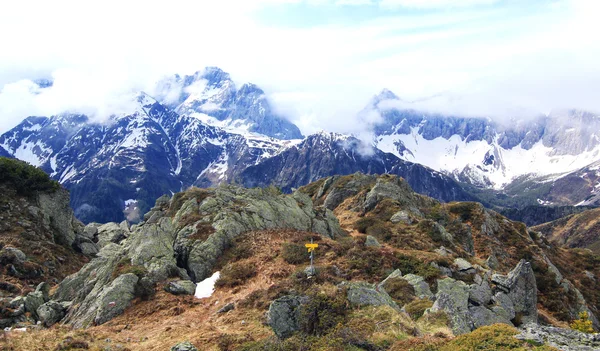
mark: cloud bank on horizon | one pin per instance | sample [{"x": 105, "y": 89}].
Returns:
[{"x": 319, "y": 61}]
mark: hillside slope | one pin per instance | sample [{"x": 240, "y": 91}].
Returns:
[
  {"x": 394, "y": 270},
  {"x": 581, "y": 230}
]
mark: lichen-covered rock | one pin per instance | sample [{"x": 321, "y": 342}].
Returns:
[
  {"x": 401, "y": 216},
  {"x": 33, "y": 301},
  {"x": 372, "y": 242},
  {"x": 492, "y": 262},
  {"x": 562, "y": 339},
  {"x": 480, "y": 294},
  {"x": 389, "y": 188},
  {"x": 110, "y": 233},
  {"x": 365, "y": 294},
  {"x": 181, "y": 287},
  {"x": 151, "y": 246},
  {"x": 480, "y": 316},
  {"x": 184, "y": 346},
  {"x": 464, "y": 266},
  {"x": 255, "y": 209},
  {"x": 86, "y": 246},
  {"x": 115, "y": 298},
  {"x": 84, "y": 288},
  {"x": 421, "y": 287},
  {"x": 522, "y": 288},
  {"x": 503, "y": 306},
  {"x": 57, "y": 215},
  {"x": 453, "y": 298},
  {"x": 284, "y": 315},
  {"x": 50, "y": 313}
]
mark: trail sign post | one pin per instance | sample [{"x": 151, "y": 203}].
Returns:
[{"x": 311, "y": 249}]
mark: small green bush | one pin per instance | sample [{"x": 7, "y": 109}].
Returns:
[
  {"x": 235, "y": 274},
  {"x": 25, "y": 178},
  {"x": 408, "y": 264},
  {"x": 583, "y": 324},
  {"x": 365, "y": 222},
  {"x": 323, "y": 313},
  {"x": 294, "y": 253},
  {"x": 417, "y": 308},
  {"x": 380, "y": 231},
  {"x": 463, "y": 209},
  {"x": 399, "y": 290},
  {"x": 124, "y": 267}
]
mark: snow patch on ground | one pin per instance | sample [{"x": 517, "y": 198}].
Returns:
[{"x": 206, "y": 287}]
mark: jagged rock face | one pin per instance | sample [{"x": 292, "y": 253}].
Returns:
[
  {"x": 4, "y": 153},
  {"x": 38, "y": 241},
  {"x": 490, "y": 299},
  {"x": 520, "y": 285},
  {"x": 561, "y": 338},
  {"x": 181, "y": 238}
]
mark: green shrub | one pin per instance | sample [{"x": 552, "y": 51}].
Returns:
[
  {"x": 322, "y": 313},
  {"x": 235, "y": 274},
  {"x": 417, "y": 308},
  {"x": 463, "y": 209},
  {"x": 124, "y": 267},
  {"x": 294, "y": 253},
  {"x": 583, "y": 324},
  {"x": 491, "y": 337},
  {"x": 399, "y": 290},
  {"x": 365, "y": 222},
  {"x": 409, "y": 264},
  {"x": 25, "y": 178},
  {"x": 380, "y": 231}
]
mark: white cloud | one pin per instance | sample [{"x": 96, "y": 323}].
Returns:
[
  {"x": 432, "y": 4},
  {"x": 320, "y": 76},
  {"x": 353, "y": 2}
]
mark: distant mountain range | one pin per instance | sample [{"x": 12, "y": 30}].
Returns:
[{"x": 201, "y": 130}]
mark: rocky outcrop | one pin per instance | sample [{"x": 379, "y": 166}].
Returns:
[
  {"x": 421, "y": 287},
  {"x": 365, "y": 294},
  {"x": 256, "y": 209},
  {"x": 453, "y": 298},
  {"x": 562, "y": 339},
  {"x": 284, "y": 315},
  {"x": 521, "y": 288},
  {"x": 489, "y": 299},
  {"x": 182, "y": 238},
  {"x": 51, "y": 313}
]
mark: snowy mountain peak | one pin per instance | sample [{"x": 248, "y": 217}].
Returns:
[
  {"x": 483, "y": 151},
  {"x": 385, "y": 94},
  {"x": 214, "y": 76},
  {"x": 212, "y": 93}
]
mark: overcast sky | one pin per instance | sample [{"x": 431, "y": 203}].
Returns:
[{"x": 319, "y": 61}]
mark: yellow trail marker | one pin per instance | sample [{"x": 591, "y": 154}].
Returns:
[{"x": 311, "y": 247}]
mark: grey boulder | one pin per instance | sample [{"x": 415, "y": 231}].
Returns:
[{"x": 181, "y": 287}]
